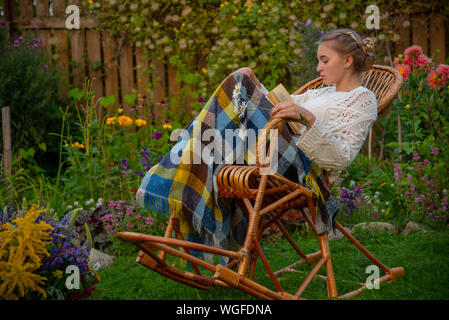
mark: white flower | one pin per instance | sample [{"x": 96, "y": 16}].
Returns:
[
  {"x": 354, "y": 25},
  {"x": 444, "y": 191},
  {"x": 75, "y": 203},
  {"x": 52, "y": 210},
  {"x": 69, "y": 207},
  {"x": 392, "y": 185},
  {"x": 89, "y": 202},
  {"x": 342, "y": 15},
  {"x": 387, "y": 203},
  {"x": 352, "y": 183},
  {"x": 383, "y": 211},
  {"x": 406, "y": 24},
  {"x": 96, "y": 266}
]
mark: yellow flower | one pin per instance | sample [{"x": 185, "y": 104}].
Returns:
[
  {"x": 217, "y": 22},
  {"x": 166, "y": 126},
  {"x": 110, "y": 121},
  {"x": 233, "y": 17},
  {"x": 204, "y": 70},
  {"x": 90, "y": 1},
  {"x": 175, "y": 30},
  {"x": 140, "y": 122},
  {"x": 78, "y": 145},
  {"x": 407, "y": 106},
  {"x": 120, "y": 111},
  {"x": 125, "y": 121},
  {"x": 57, "y": 274},
  {"x": 236, "y": 10}
]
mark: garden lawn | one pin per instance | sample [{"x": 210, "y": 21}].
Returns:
[{"x": 424, "y": 256}]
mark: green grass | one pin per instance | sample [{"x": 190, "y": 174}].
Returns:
[{"x": 424, "y": 256}]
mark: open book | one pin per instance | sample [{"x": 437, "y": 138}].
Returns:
[{"x": 279, "y": 94}]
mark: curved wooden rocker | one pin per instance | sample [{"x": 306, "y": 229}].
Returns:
[{"x": 266, "y": 197}]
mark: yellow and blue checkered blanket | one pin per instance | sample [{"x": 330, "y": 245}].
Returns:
[{"x": 186, "y": 187}]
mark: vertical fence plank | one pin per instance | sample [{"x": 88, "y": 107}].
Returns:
[
  {"x": 77, "y": 45},
  {"x": 42, "y": 7},
  {"x": 26, "y": 8},
  {"x": 111, "y": 79},
  {"x": 58, "y": 8},
  {"x": 159, "y": 83},
  {"x": 62, "y": 57},
  {"x": 404, "y": 32},
  {"x": 420, "y": 32},
  {"x": 143, "y": 78},
  {"x": 126, "y": 74},
  {"x": 437, "y": 39},
  {"x": 45, "y": 35},
  {"x": 95, "y": 65}
]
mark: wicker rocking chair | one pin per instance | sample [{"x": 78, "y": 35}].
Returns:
[{"x": 266, "y": 199}]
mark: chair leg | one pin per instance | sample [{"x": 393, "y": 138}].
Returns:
[{"x": 326, "y": 253}]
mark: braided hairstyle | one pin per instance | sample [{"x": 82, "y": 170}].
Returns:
[{"x": 349, "y": 42}]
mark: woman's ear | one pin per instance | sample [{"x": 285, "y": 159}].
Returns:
[{"x": 348, "y": 61}]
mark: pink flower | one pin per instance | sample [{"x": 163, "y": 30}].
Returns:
[
  {"x": 111, "y": 203},
  {"x": 128, "y": 213},
  {"x": 412, "y": 187},
  {"x": 423, "y": 62},
  {"x": 413, "y": 51},
  {"x": 368, "y": 183},
  {"x": 407, "y": 193},
  {"x": 375, "y": 215},
  {"x": 149, "y": 220},
  {"x": 129, "y": 225},
  {"x": 396, "y": 176},
  {"x": 108, "y": 227},
  {"x": 443, "y": 69},
  {"x": 426, "y": 162},
  {"x": 137, "y": 216},
  {"x": 430, "y": 183},
  {"x": 419, "y": 167},
  {"x": 416, "y": 156},
  {"x": 409, "y": 177}
]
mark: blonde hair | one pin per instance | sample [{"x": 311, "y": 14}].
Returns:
[{"x": 349, "y": 42}]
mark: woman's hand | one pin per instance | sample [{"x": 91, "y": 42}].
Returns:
[{"x": 290, "y": 110}]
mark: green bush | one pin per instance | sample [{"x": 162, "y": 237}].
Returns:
[{"x": 29, "y": 86}]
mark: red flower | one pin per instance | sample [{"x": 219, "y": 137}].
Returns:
[
  {"x": 134, "y": 191},
  {"x": 404, "y": 69},
  {"x": 436, "y": 80}
]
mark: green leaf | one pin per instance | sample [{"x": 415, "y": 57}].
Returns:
[
  {"x": 130, "y": 98},
  {"x": 43, "y": 146},
  {"x": 107, "y": 101},
  {"x": 76, "y": 93}
]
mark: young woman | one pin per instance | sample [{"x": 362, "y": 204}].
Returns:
[{"x": 338, "y": 119}]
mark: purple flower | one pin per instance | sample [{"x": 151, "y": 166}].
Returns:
[
  {"x": 201, "y": 99},
  {"x": 36, "y": 27},
  {"x": 124, "y": 164},
  {"x": 431, "y": 183},
  {"x": 295, "y": 24},
  {"x": 157, "y": 135},
  {"x": 434, "y": 150},
  {"x": 139, "y": 173},
  {"x": 409, "y": 177},
  {"x": 426, "y": 162},
  {"x": 412, "y": 187},
  {"x": 375, "y": 215},
  {"x": 416, "y": 156},
  {"x": 308, "y": 22}
]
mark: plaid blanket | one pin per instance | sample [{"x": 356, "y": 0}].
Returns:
[{"x": 188, "y": 188}]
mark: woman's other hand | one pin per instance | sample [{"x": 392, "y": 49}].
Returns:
[{"x": 290, "y": 110}]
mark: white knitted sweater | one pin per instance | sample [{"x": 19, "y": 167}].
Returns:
[{"x": 343, "y": 121}]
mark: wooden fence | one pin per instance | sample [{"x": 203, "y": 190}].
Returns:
[{"x": 126, "y": 68}]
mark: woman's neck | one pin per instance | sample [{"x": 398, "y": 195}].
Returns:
[{"x": 348, "y": 84}]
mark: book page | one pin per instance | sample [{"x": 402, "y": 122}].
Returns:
[{"x": 279, "y": 94}]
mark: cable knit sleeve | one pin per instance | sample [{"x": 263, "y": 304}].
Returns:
[{"x": 336, "y": 149}]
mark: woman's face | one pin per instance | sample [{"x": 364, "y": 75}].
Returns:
[{"x": 330, "y": 64}]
